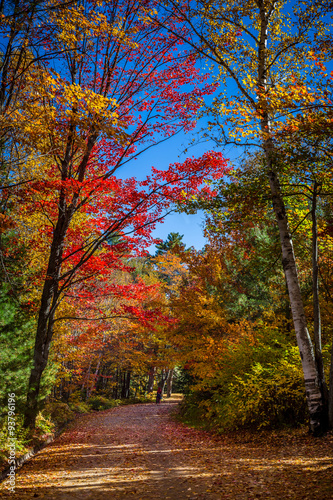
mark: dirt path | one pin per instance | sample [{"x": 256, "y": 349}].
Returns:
[{"x": 138, "y": 452}]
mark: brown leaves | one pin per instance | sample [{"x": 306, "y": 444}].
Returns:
[{"x": 138, "y": 452}]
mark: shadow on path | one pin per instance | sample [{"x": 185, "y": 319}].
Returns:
[{"x": 138, "y": 452}]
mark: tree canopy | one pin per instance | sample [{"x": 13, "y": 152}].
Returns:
[{"x": 243, "y": 326}]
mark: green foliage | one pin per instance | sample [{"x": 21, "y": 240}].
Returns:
[
  {"x": 259, "y": 386},
  {"x": 60, "y": 413},
  {"x": 23, "y": 439},
  {"x": 253, "y": 278},
  {"x": 173, "y": 243},
  {"x": 140, "y": 399},
  {"x": 76, "y": 397},
  {"x": 44, "y": 424},
  {"x": 182, "y": 380},
  {"x": 16, "y": 343},
  {"x": 21, "y": 435},
  {"x": 76, "y": 404},
  {"x": 101, "y": 403},
  {"x": 17, "y": 327},
  {"x": 79, "y": 407}
]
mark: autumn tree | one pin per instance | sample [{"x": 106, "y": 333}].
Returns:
[
  {"x": 24, "y": 28},
  {"x": 24, "y": 25},
  {"x": 115, "y": 354},
  {"x": 172, "y": 271},
  {"x": 233, "y": 331},
  {"x": 307, "y": 151},
  {"x": 117, "y": 89},
  {"x": 262, "y": 51}
]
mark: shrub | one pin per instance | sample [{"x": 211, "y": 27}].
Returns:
[
  {"x": 75, "y": 397},
  {"x": 101, "y": 403},
  {"x": 140, "y": 399},
  {"x": 79, "y": 407},
  {"x": 44, "y": 424},
  {"x": 60, "y": 413},
  {"x": 258, "y": 385},
  {"x": 268, "y": 396},
  {"x": 22, "y": 439}
]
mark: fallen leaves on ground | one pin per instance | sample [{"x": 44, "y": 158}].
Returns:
[{"x": 139, "y": 452}]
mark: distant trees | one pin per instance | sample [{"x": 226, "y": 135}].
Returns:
[{"x": 172, "y": 243}]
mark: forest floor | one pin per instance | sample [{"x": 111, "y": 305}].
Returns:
[{"x": 139, "y": 452}]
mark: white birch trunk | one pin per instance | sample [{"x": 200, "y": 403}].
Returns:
[{"x": 311, "y": 376}]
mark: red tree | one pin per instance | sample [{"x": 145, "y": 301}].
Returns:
[{"x": 121, "y": 87}]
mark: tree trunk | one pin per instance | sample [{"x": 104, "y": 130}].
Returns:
[
  {"x": 128, "y": 384},
  {"x": 311, "y": 378},
  {"x": 164, "y": 377},
  {"x": 313, "y": 393},
  {"x": 115, "y": 389},
  {"x": 50, "y": 294},
  {"x": 151, "y": 378},
  {"x": 41, "y": 353},
  {"x": 125, "y": 385},
  {"x": 94, "y": 379},
  {"x": 169, "y": 383},
  {"x": 86, "y": 381},
  {"x": 46, "y": 315},
  {"x": 316, "y": 305},
  {"x": 330, "y": 402}
]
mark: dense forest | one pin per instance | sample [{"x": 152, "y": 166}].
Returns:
[{"x": 89, "y": 319}]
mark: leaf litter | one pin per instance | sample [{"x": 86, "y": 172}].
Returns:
[{"x": 140, "y": 452}]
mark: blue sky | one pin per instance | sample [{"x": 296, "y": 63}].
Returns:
[
  {"x": 171, "y": 151},
  {"x": 160, "y": 156}
]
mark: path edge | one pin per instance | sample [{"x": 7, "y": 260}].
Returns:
[{"x": 33, "y": 451}]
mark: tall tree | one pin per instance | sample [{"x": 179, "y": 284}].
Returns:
[
  {"x": 264, "y": 48},
  {"x": 117, "y": 89},
  {"x": 173, "y": 243}
]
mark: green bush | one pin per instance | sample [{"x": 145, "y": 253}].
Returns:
[
  {"x": 79, "y": 407},
  {"x": 16, "y": 346},
  {"x": 60, "y": 413},
  {"x": 44, "y": 424},
  {"x": 75, "y": 397},
  {"x": 258, "y": 386},
  {"x": 23, "y": 438},
  {"x": 76, "y": 404},
  {"x": 140, "y": 399},
  {"x": 101, "y": 403},
  {"x": 267, "y": 397}
]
